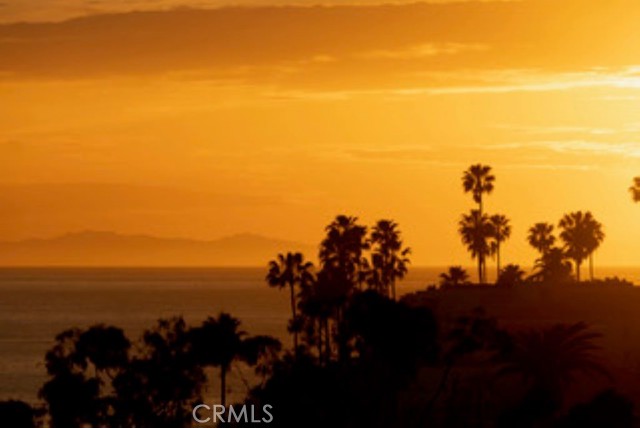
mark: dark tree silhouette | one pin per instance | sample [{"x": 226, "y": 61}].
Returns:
[
  {"x": 290, "y": 270},
  {"x": 219, "y": 342},
  {"x": 162, "y": 381},
  {"x": 541, "y": 237},
  {"x": 552, "y": 267},
  {"x": 104, "y": 347},
  {"x": 341, "y": 251},
  {"x": 456, "y": 275},
  {"x": 389, "y": 259},
  {"x": 549, "y": 360},
  {"x": 501, "y": 232},
  {"x": 635, "y": 189},
  {"x": 608, "y": 409},
  {"x": 595, "y": 236},
  {"x": 478, "y": 180},
  {"x": 475, "y": 230},
  {"x": 17, "y": 414},
  {"x": 581, "y": 235},
  {"x": 341, "y": 266},
  {"x": 75, "y": 363},
  {"x": 511, "y": 276},
  {"x": 389, "y": 342}
]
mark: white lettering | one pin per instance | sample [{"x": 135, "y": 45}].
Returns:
[
  {"x": 240, "y": 416},
  {"x": 195, "y": 413},
  {"x": 264, "y": 409}
]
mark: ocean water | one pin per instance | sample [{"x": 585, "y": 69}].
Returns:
[{"x": 36, "y": 304}]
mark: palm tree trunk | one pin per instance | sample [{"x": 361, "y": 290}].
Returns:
[
  {"x": 578, "y": 263},
  {"x": 591, "y": 266},
  {"x": 293, "y": 313},
  {"x": 223, "y": 385},
  {"x": 393, "y": 290},
  {"x": 498, "y": 261},
  {"x": 479, "y": 270}
]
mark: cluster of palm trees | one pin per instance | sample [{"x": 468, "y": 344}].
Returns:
[
  {"x": 352, "y": 259},
  {"x": 482, "y": 234},
  {"x": 580, "y": 234}
]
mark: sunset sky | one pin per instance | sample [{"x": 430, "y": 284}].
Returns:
[{"x": 178, "y": 122}]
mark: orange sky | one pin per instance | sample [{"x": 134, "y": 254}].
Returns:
[{"x": 272, "y": 120}]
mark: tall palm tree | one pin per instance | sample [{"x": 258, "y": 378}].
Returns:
[
  {"x": 635, "y": 189},
  {"x": 342, "y": 265},
  {"x": 541, "y": 237},
  {"x": 574, "y": 235},
  {"x": 478, "y": 180},
  {"x": 595, "y": 236},
  {"x": 219, "y": 342},
  {"x": 389, "y": 259},
  {"x": 290, "y": 270},
  {"x": 501, "y": 232},
  {"x": 582, "y": 235},
  {"x": 456, "y": 275},
  {"x": 475, "y": 230},
  {"x": 342, "y": 249}
]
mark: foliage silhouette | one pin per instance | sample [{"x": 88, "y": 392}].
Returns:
[
  {"x": 389, "y": 259},
  {"x": 549, "y": 360},
  {"x": 478, "y": 180},
  {"x": 581, "y": 235},
  {"x": 476, "y": 230},
  {"x": 291, "y": 270},
  {"x": 552, "y": 267},
  {"x": 219, "y": 342},
  {"x": 635, "y": 189},
  {"x": 541, "y": 237},
  {"x": 511, "y": 276},
  {"x": 455, "y": 276},
  {"x": 501, "y": 231},
  {"x": 608, "y": 409},
  {"x": 17, "y": 414}
]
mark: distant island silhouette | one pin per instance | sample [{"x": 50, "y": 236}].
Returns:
[{"x": 104, "y": 248}]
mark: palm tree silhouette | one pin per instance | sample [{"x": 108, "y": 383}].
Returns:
[
  {"x": 290, "y": 270},
  {"x": 595, "y": 236},
  {"x": 501, "y": 232},
  {"x": 581, "y": 234},
  {"x": 455, "y": 276},
  {"x": 635, "y": 189},
  {"x": 342, "y": 249},
  {"x": 219, "y": 342},
  {"x": 478, "y": 180},
  {"x": 512, "y": 275},
  {"x": 389, "y": 259},
  {"x": 550, "y": 359},
  {"x": 552, "y": 267},
  {"x": 475, "y": 230},
  {"x": 541, "y": 237}
]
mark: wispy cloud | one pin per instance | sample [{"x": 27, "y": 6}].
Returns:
[
  {"x": 423, "y": 51},
  {"x": 583, "y": 147}
]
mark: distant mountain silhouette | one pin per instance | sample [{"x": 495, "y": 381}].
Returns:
[{"x": 98, "y": 248}]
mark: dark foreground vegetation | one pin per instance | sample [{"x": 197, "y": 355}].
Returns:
[{"x": 359, "y": 357}]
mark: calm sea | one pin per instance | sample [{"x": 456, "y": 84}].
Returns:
[{"x": 36, "y": 304}]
